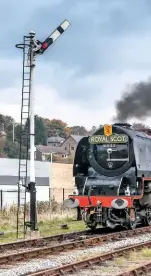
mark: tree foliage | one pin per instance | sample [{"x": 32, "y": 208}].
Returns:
[
  {"x": 43, "y": 128},
  {"x": 141, "y": 126},
  {"x": 40, "y": 131},
  {"x": 56, "y": 128},
  {"x": 11, "y": 149},
  {"x": 78, "y": 130},
  {"x": 93, "y": 129}
]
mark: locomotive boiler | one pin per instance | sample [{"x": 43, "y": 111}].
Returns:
[{"x": 112, "y": 170}]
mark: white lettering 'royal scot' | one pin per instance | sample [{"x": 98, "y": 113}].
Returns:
[{"x": 102, "y": 139}]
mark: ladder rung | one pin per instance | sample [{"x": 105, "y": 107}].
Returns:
[
  {"x": 26, "y": 79},
  {"x": 26, "y": 85},
  {"x": 23, "y": 107},
  {"x": 25, "y": 92}
]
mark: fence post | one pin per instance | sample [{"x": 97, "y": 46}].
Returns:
[
  {"x": 63, "y": 195},
  {"x": 1, "y": 195},
  {"x": 50, "y": 199}
]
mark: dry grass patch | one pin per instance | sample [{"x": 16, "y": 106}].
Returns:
[{"x": 48, "y": 222}]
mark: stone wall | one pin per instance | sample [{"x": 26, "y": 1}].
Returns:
[{"x": 61, "y": 179}]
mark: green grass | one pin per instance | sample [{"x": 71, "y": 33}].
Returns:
[
  {"x": 52, "y": 227},
  {"x": 48, "y": 225}
]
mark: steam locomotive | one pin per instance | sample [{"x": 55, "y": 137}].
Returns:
[{"x": 112, "y": 170}]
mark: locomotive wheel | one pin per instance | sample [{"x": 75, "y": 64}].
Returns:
[
  {"x": 148, "y": 217},
  {"x": 91, "y": 222},
  {"x": 92, "y": 226},
  {"x": 131, "y": 224}
]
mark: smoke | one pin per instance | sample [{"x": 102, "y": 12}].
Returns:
[{"x": 135, "y": 102}]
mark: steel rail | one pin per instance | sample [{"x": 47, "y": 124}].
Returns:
[
  {"x": 84, "y": 243},
  {"x": 42, "y": 241},
  {"x": 140, "y": 270},
  {"x": 99, "y": 260}
]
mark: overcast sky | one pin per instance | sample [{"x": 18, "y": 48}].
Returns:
[{"x": 79, "y": 78}]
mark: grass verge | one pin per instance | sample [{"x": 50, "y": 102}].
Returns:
[{"x": 48, "y": 224}]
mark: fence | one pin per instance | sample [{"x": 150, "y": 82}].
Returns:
[
  {"x": 44, "y": 194},
  {"x": 59, "y": 194}
]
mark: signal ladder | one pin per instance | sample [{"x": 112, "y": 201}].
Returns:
[{"x": 24, "y": 140}]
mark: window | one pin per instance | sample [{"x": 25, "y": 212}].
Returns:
[
  {"x": 65, "y": 148},
  {"x": 72, "y": 148}
]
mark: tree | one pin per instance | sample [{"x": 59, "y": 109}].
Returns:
[
  {"x": 56, "y": 128},
  {"x": 40, "y": 130},
  {"x": 2, "y": 154},
  {"x": 141, "y": 126},
  {"x": 93, "y": 129},
  {"x": 78, "y": 130},
  {"x": 11, "y": 149},
  {"x": 7, "y": 122},
  {"x": 17, "y": 132}
]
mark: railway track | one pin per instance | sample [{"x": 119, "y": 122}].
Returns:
[
  {"x": 75, "y": 244},
  {"x": 98, "y": 261},
  {"x": 140, "y": 270},
  {"x": 88, "y": 241},
  {"x": 43, "y": 241}
]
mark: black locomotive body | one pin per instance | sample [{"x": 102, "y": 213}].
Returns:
[{"x": 112, "y": 171}]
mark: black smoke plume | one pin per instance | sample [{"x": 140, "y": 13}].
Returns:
[{"x": 135, "y": 102}]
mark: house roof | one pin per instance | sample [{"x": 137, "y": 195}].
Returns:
[
  {"x": 77, "y": 138},
  {"x": 50, "y": 149},
  {"x": 55, "y": 139}
]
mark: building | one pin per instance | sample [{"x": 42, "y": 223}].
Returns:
[
  {"x": 42, "y": 152},
  {"x": 9, "y": 180},
  {"x": 70, "y": 143},
  {"x": 66, "y": 148},
  {"x": 55, "y": 141},
  {"x": 9, "y": 172}
]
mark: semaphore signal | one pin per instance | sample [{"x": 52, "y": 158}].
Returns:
[{"x": 31, "y": 48}]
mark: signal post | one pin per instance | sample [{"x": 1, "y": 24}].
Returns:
[{"x": 36, "y": 48}]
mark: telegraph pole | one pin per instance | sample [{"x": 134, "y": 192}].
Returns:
[{"x": 36, "y": 48}]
